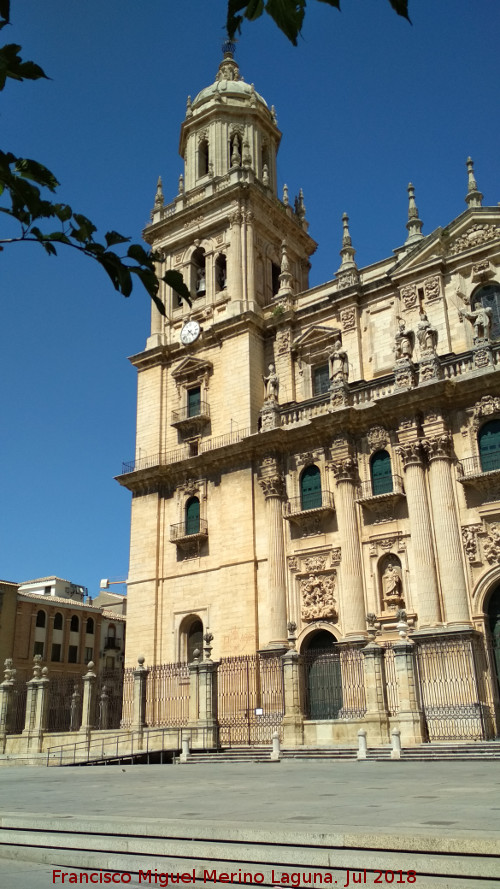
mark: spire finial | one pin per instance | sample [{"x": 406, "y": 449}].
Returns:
[
  {"x": 414, "y": 224},
  {"x": 159, "y": 199},
  {"x": 189, "y": 110},
  {"x": 474, "y": 197},
  {"x": 228, "y": 68},
  {"x": 347, "y": 272},
  {"x": 286, "y": 199}
]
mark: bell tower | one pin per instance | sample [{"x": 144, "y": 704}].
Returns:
[{"x": 225, "y": 228}]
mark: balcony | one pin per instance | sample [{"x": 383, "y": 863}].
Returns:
[
  {"x": 296, "y": 509},
  {"x": 183, "y": 535},
  {"x": 111, "y": 643},
  {"x": 190, "y": 420},
  {"x": 381, "y": 505},
  {"x": 482, "y": 474}
]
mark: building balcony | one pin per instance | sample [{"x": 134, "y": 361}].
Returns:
[
  {"x": 300, "y": 509},
  {"x": 183, "y": 534},
  {"x": 366, "y": 495},
  {"x": 482, "y": 474},
  {"x": 111, "y": 643},
  {"x": 191, "y": 419}
]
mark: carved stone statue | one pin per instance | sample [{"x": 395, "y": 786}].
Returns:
[
  {"x": 272, "y": 384},
  {"x": 339, "y": 364},
  {"x": 392, "y": 585},
  {"x": 426, "y": 335},
  {"x": 481, "y": 319},
  {"x": 318, "y": 602},
  {"x": 403, "y": 345}
]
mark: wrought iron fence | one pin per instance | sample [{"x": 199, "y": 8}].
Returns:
[
  {"x": 250, "y": 699},
  {"x": 128, "y": 698},
  {"x": 167, "y": 695},
  {"x": 64, "y": 703},
  {"x": 391, "y": 679},
  {"x": 17, "y": 708},
  {"x": 334, "y": 683},
  {"x": 109, "y": 695},
  {"x": 455, "y": 687}
]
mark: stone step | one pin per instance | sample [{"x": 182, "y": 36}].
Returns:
[{"x": 198, "y": 848}]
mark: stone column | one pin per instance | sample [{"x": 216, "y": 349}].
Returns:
[
  {"x": 410, "y": 715},
  {"x": 422, "y": 549},
  {"x": 89, "y": 699},
  {"x": 42, "y": 704},
  {"x": 203, "y": 698},
  {"x": 6, "y": 692},
  {"x": 446, "y": 526},
  {"x": 139, "y": 698},
  {"x": 377, "y": 717},
  {"x": 31, "y": 696},
  {"x": 235, "y": 282},
  {"x": 351, "y": 569},
  {"x": 250, "y": 257},
  {"x": 293, "y": 720},
  {"x": 272, "y": 610}
]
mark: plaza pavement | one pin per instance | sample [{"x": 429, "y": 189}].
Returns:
[{"x": 457, "y": 800}]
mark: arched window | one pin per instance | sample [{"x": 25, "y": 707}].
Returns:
[
  {"x": 488, "y": 296},
  {"x": 381, "y": 473},
  {"x": 310, "y": 488},
  {"x": 40, "y": 619},
  {"x": 199, "y": 272},
  {"x": 203, "y": 158},
  {"x": 58, "y": 621},
  {"x": 193, "y": 516},
  {"x": 74, "y": 625},
  {"x": 489, "y": 446},
  {"x": 90, "y": 626}
]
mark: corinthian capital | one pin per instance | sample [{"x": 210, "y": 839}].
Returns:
[
  {"x": 438, "y": 447},
  {"x": 273, "y": 486},
  {"x": 345, "y": 470},
  {"x": 410, "y": 453}
]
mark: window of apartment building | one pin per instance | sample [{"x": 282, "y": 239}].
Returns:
[
  {"x": 58, "y": 621},
  {"x": 89, "y": 654},
  {"x": 321, "y": 379},
  {"x": 40, "y": 619},
  {"x": 73, "y": 654},
  {"x": 90, "y": 626},
  {"x": 56, "y": 652},
  {"x": 75, "y": 624},
  {"x": 38, "y": 648}
]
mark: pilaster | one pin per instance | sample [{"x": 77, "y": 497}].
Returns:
[
  {"x": 272, "y": 611},
  {"x": 353, "y": 609}
]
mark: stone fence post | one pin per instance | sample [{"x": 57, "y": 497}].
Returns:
[
  {"x": 6, "y": 692},
  {"x": 410, "y": 715},
  {"x": 203, "y": 697},
  {"x": 293, "y": 720},
  {"x": 141, "y": 674},
  {"x": 377, "y": 716},
  {"x": 89, "y": 702},
  {"x": 31, "y": 696}
]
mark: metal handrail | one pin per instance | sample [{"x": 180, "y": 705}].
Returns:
[
  {"x": 105, "y": 743},
  {"x": 296, "y": 505},
  {"x": 180, "y": 530},
  {"x": 200, "y": 411}
]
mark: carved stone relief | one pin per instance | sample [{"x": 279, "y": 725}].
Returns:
[
  {"x": 317, "y": 599},
  {"x": 474, "y": 236},
  {"x": 283, "y": 342},
  {"x": 432, "y": 289},
  {"x": 470, "y": 542},
  {"x": 348, "y": 319},
  {"x": 409, "y": 296},
  {"x": 488, "y": 405},
  {"x": 491, "y": 545},
  {"x": 377, "y": 438}
]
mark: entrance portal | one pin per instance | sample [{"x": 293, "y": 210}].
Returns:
[
  {"x": 494, "y": 627},
  {"x": 323, "y": 677}
]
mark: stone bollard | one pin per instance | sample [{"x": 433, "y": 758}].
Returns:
[
  {"x": 185, "y": 750},
  {"x": 396, "y": 744},
  {"x": 275, "y": 752},
  {"x": 362, "y": 745}
]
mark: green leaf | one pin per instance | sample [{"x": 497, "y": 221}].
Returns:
[
  {"x": 11, "y": 65},
  {"x": 148, "y": 278},
  {"x": 5, "y": 10},
  {"x": 288, "y": 15},
  {"x": 36, "y": 172},
  {"x": 135, "y": 251},
  {"x": 401, "y": 7},
  {"x": 158, "y": 303},
  {"x": 175, "y": 280},
  {"x": 63, "y": 212},
  {"x": 113, "y": 238}
]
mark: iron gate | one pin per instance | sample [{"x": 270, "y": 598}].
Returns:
[
  {"x": 455, "y": 689},
  {"x": 334, "y": 683},
  {"x": 250, "y": 699}
]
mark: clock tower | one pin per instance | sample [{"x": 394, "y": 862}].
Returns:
[{"x": 243, "y": 253}]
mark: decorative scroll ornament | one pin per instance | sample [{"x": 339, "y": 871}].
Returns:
[
  {"x": 491, "y": 546},
  {"x": 488, "y": 405},
  {"x": 432, "y": 289},
  {"x": 283, "y": 342},
  {"x": 469, "y": 538},
  {"x": 377, "y": 438},
  {"x": 409, "y": 296},
  {"x": 315, "y": 563},
  {"x": 318, "y": 602},
  {"x": 348, "y": 319},
  {"x": 474, "y": 236}
]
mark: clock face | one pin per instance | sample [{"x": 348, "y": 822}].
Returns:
[{"x": 190, "y": 332}]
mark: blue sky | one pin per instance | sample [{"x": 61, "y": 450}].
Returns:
[{"x": 366, "y": 103}]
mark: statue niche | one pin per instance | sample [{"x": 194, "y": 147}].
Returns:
[{"x": 391, "y": 582}]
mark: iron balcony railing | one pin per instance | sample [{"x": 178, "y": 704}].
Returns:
[
  {"x": 392, "y": 485},
  {"x": 166, "y": 458},
  {"x": 472, "y": 466},
  {"x": 308, "y": 503},
  {"x": 188, "y": 529},
  {"x": 111, "y": 642},
  {"x": 191, "y": 413}
]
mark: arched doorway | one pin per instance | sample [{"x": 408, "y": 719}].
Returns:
[
  {"x": 494, "y": 628},
  {"x": 323, "y": 676}
]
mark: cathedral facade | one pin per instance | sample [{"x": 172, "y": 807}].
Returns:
[{"x": 316, "y": 465}]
